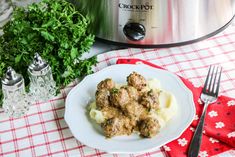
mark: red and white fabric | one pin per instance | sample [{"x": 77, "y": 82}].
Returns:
[
  {"x": 219, "y": 128},
  {"x": 43, "y": 131}
]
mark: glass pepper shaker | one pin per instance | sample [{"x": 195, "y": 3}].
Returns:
[
  {"x": 42, "y": 86},
  {"x": 15, "y": 101}
]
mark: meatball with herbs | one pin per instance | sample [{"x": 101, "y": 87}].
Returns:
[
  {"x": 150, "y": 100},
  {"x": 106, "y": 84},
  {"x": 102, "y": 98},
  {"x": 132, "y": 92},
  {"x": 119, "y": 97},
  {"x": 136, "y": 80},
  {"x": 117, "y": 126},
  {"x": 134, "y": 110},
  {"x": 127, "y": 108},
  {"x": 111, "y": 127},
  {"x": 149, "y": 127}
]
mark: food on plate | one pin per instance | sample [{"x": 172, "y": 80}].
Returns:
[
  {"x": 136, "y": 80},
  {"x": 106, "y": 84},
  {"x": 149, "y": 127},
  {"x": 140, "y": 106}
]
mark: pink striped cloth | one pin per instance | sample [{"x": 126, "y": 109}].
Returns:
[
  {"x": 43, "y": 131},
  {"x": 219, "y": 128}
]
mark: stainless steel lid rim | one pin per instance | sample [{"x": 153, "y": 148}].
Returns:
[
  {"x": 156, "y": 22},
  {"x": 125, "y": 45}
]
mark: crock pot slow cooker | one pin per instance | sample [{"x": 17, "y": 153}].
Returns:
[{"x": 157, "y": 23}]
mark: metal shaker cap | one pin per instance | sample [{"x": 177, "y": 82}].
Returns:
[
  {"x": 12, "y": 78},
  {"x": 38, "y": 66}
]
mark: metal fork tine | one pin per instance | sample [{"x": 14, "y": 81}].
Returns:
[
  {"x": 215, "y": 80},
  {"x": 209, "y": 95},
  {"x": 217, "y": 88},
  {"x": 207, "y": 78},
  {"x": 211, "y": 79}
]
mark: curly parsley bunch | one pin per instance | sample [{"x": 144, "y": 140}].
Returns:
[{"x": 54, "y": 29}]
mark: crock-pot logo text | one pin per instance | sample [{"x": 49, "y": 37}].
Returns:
[{"x": 141, "y": 7}]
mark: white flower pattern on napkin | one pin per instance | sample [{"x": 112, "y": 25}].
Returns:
[
  {"x": 231, "y": 103},
  {"x": 212, "y": 140},
  {"x": 213, "y": 114},
  {"x": 192, "y": 129},
  {"x": 166, "y": 148},
  {"x": 196, "y": 117},
  {"x": 231, "y": 134},
  {"x": 203, "y": 154},
  {"x": 219, "y": 125},
  {"x": 182, "y": 142}
]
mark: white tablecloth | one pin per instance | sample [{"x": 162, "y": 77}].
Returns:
[{"x": 43, "y": 131}]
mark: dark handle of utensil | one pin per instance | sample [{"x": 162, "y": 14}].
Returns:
[{"x": 194, "y": 147}]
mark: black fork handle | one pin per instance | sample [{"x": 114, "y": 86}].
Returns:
[{"x": 195, "y": 144}]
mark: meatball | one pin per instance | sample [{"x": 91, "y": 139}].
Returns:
[
  {"x": 106, "y": 84},
  {"x": 149, "y": 127},
  {"x": 102, "y": 98},
  {"x": 136, "y": 80},
  {"x": 133, "y": 110},
  {"x": 150, "y": 100},
  {"x": 111, "y": 112},
  {"x": 119, "y": 97},
  {"x": 132, "y": 92},
  {"x": 117, "y": 126},
  {"x": 112, "y": 127}
]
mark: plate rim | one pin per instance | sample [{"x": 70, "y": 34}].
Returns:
[{"x": 171, "y": 138}]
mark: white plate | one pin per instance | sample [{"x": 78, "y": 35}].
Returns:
[{"x": 90, "y": 134}]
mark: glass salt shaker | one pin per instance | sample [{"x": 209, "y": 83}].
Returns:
[
  {"x": 42, "y": 86},
  {"x": 15, "y": 101}
]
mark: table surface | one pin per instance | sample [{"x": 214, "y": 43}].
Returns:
[{"x": 43, "y": 131}]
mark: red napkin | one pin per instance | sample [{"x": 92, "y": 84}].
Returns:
[{"x": 219, "y": 128}]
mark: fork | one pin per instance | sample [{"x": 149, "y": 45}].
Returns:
[{"x": 209, "y": 95}]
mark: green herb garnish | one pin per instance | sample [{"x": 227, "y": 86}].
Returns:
[
  {"x": 114, "y": 90},
  {"x": 149, "y": 93},
  {"x": 54, "y": 29}
]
